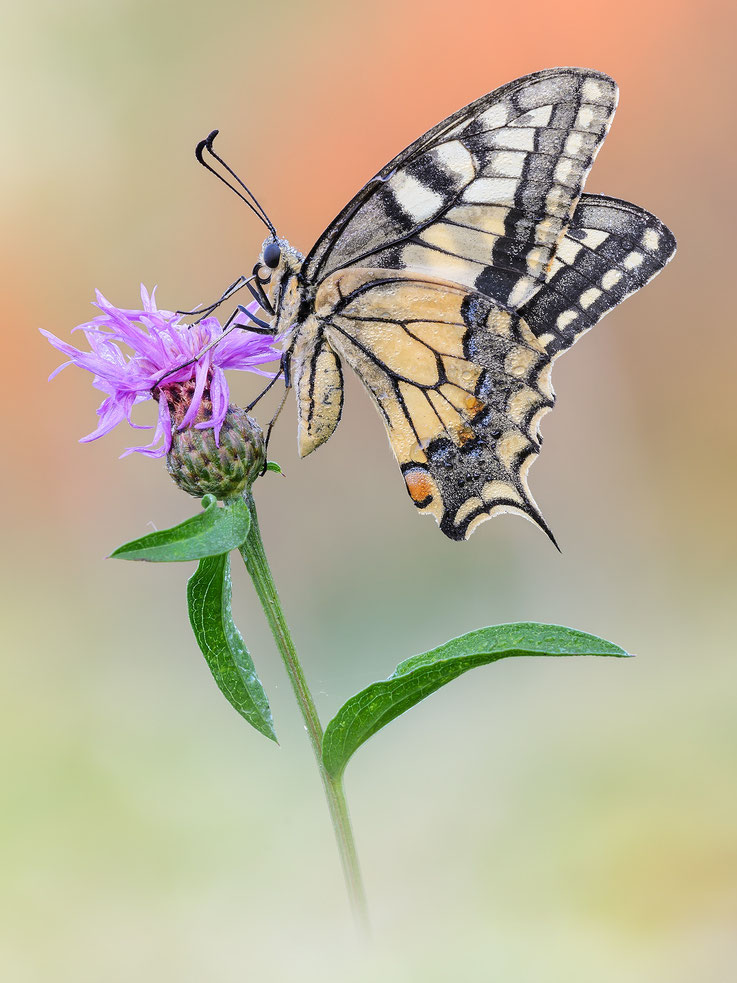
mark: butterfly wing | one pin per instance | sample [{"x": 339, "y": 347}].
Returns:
[
  {"x": 484, "y": 197},
  {"x": 318, "y": 384},
  {"x": 611, "y": 249},
  {"x": 456, "y": 276},
  {"x": 460, "y": 383}
]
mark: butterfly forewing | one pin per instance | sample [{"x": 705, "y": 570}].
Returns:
[{"x": 483, "y": 198}]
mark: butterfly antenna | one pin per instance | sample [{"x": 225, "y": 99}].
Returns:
[
  {"x": 258, "y": 210},
  {"x": 199, "y": 154}
]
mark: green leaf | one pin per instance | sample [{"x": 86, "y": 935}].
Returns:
[
  {"x": 208, "y": 599},
  {"x": 374, "y": 707},
  {"x": 273, "y": 466},
  {"x": 209, "y": 533}
]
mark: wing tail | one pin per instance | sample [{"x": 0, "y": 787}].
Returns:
[{"x": 483, "y": 198}]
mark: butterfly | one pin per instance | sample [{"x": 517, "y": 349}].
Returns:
[{"x": 453, "y": 280}]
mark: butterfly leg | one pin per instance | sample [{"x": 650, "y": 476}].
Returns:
[
  {"x": 270, "y": 427},
  {"x": 260, "y": 327},
  {"x": 274, "y": 418},
  {"x": 257, "y": 325},
  {"x": 267, "y": 387},
  {"x": 257, "y": 290}
]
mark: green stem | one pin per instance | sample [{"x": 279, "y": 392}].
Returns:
[{"x": 257, "y": 565}]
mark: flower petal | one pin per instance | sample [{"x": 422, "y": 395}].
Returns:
[
  {"x": 133, "y": 352},
  {"x": 56, "y": 371},
  {"x": 111, "y": 414},
  {"x": 219, "y": 396},
  {"x": 148, "y": 300},
  {"x": 201, "y": 374},
  {"x": 163, "y": 431}
]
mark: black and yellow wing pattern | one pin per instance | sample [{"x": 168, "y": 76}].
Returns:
[
  {"x": 460, "y": 383},
  {"x": 455, "y": 277}
]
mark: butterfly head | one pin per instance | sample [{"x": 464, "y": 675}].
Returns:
[
  {"x": 278, "y": 256},
  {"x": 271, "y": 254},
  {"x": 278, "y": 266}
]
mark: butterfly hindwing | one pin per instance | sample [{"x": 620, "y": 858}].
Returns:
[
  {"x": 318, "y": 383},
  {"x": 460, "y": 383},
  {"x": 611, "y": 249},
  {"x": 483, "y": 198}
]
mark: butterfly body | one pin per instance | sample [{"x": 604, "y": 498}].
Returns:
[{"x": 454, "y": 279}]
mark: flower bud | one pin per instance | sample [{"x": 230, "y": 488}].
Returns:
[{"x": 201, "y": 466}]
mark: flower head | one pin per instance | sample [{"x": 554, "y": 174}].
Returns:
[{"x": 164, "y": 365}]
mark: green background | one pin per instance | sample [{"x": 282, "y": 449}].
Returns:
[{"x": 538, "y": 820}]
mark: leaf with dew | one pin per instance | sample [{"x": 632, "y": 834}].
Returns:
[
  {"x": 208, "y": 600},
  {"x": 416, "y": 678},
  {"x": 211, "y": 532}
]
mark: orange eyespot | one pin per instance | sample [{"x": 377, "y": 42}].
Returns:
[{"x": 419, "y": 486}]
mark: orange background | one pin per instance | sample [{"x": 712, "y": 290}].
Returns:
[{"x": 558, "y": 822}]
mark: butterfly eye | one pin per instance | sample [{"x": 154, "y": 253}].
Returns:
[{"x": 272, "y": 255}]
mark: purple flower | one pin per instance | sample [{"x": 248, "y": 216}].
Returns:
[{"x": 160, "y": 344}]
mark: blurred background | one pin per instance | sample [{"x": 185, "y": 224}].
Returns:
[{"x": 563, "y": 821}]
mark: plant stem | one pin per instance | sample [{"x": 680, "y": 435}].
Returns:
[{"x": 257, "y": 565}]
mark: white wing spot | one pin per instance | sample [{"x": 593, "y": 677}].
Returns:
[
  {"x": 585, "y": 118},
  {"x": 611, "y": 278},
  {"x": 506, "y": 163},
  {"x": 522, "y": 291},
  {"x": 651, "y": 239},
  {"x": 456, "y": 160},
  {"x": 548, "y": 230},
  {"x": 558, "y": 201},
  {"x": 495, "y": 117},
  {"x": 564, "y": 171},
  {"x": 589, "y": 296},
  {"x": 534, "y": 117},
  {"x": 414, "y": 197},
  {"x": 564, "y": 319},
  {"x": 593, "y": 91},
  {"x": 573, "y": 144},
  {"x": 633, "y": 260},
  {"x": 537, "y": 259},
  {"x": 593, "y": 238},
  {"x": 521, "y": 138},
  {"x": 568, "y": 250},
  {"x": 496, "y": 190}
]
